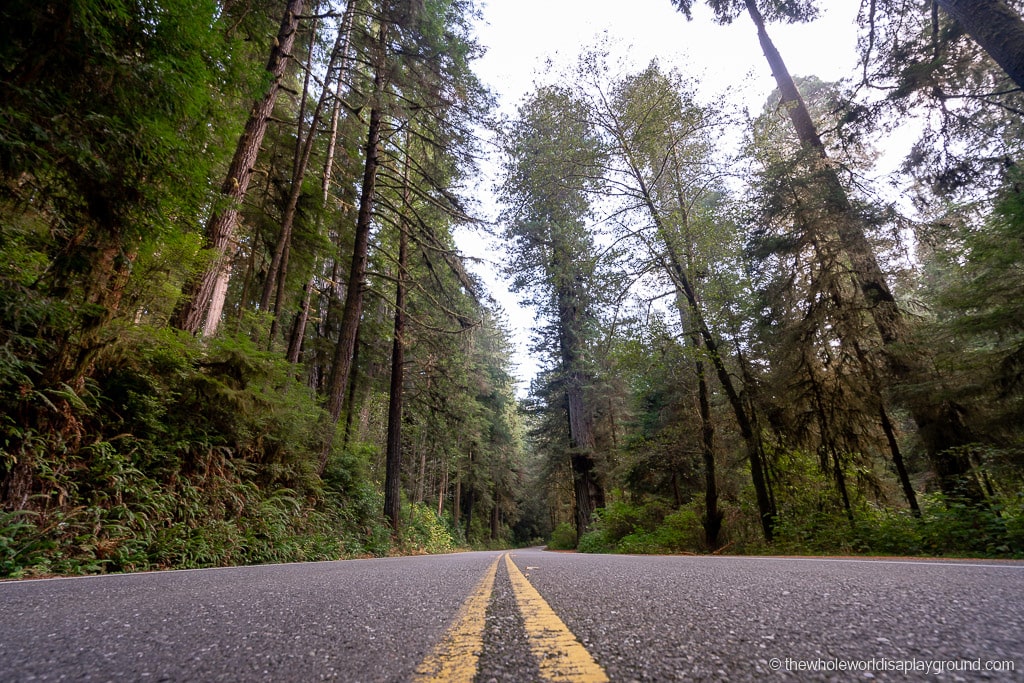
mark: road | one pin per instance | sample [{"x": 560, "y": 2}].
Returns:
[{"x": 523, "y": 616}]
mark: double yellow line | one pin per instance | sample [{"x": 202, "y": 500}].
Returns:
[{"x": 559, "y": 654}]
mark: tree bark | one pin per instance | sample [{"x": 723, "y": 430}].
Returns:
[
  {"x": 205, "y": 293},
  {"x": 996, "y": 28},
  {"x": 393, "y": 458},
  {"x": 586, "y": 482}
]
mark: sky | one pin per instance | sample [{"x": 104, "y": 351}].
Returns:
[{"x": 522, "y": 36}]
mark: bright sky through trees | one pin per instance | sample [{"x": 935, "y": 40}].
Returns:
[{"x": 523, "y": 36}]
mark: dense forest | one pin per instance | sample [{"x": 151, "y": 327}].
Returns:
[{"x": 236, "y": 325}]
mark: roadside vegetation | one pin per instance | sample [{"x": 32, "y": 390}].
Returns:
[
  {"x": 236, "y": 327},
  {"x": 789, "y": 350}
]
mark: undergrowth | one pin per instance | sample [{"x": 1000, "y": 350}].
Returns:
[
  {"x": 181, "y": 454},
  {"x": 945, "y": 528}
]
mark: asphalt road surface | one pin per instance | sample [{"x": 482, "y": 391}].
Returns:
[{"x": 523, "y": 616}]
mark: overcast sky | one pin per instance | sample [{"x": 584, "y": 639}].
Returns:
[{"x": 521, "y": 36}]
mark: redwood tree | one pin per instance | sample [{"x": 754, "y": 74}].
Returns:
[
  {"x": 550, "y": 154},
  {"x": 203, "y": 296}
]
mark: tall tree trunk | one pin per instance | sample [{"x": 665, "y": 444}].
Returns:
[
  {"x": 421, "y": 480},
  {"x": 276, "y": 274},
  {"x": 890, "y": 432},
  {"x": 897, "y": 460},
  {"x": 828, "y": 450},
  {"x": 299, "y": 328},
  {"x": 712, "y": 521},
  {"x": 205, "y": 293},
  {"x": 345, "y": 29},
  {"x": 352, "y": 312},
  {"x": 442, "y": 489},
  {"x": 345, "y": 32},
  {"x": 996, "y": 28},
  {"x": 109, "y": 267},
  {"x": 589, "y": 493},
  {"x": 496, "y": 516},
  {"x": 393, "y": 458},
  {"x": 940, "y": 424},
  {"x": 457, "y": 501},
  {"x": 755, "y": 454},
  {"x": 469, "y": 499},
  {"x": 353, "y": 390},
  {"x": 677, "y": 272}
]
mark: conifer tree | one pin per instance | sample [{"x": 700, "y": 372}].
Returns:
[{"x": 550, "y": 154}]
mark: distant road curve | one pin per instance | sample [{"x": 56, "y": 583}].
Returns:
[{"x": 522, "y": 616}]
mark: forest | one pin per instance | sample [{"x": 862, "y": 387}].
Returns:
[{"x": 237, "y": 326}]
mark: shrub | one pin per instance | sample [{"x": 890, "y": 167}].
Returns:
[
  {"x": 425, "y": 532},
  {"x": 595, "y": 541},
  {"x": 563, "y": 537},
  {"x": 649, "y": 528}
]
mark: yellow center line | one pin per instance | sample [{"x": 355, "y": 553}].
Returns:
[
  {"x": 559, "y": 653},
  {"x": 455, "y": 657}
]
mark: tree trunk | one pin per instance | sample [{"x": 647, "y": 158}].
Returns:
[
  {"x": 890, "y": 432},
  {"x": 352, "y": 312},
  {"x": 109, "y": 268},
  {"x": 996, "y": 28},
  {"x": 712, "y": 521},
  {"x": 586, "y": 482},
  {"x": 457, "y": 501},
  {"x": 897, "y": 461},
  {"x": 470, "y": 497},
  {"x": 470, "y": 501},
  {"x": 276, "y": 274},
  {"x": 712, "y": 515},
  {"x": 870, "y": 277},
  {"x": 393, "y": 459},
  {"x": 345, "y": 31},
  {"x": 442, "y": 489},
  {"x": 676, "y": 271},
  {"x": 299, "y": 328},
  {"x": 940, "y": 425},
  {"x": 496, "y": 516},
  {"x": 755, "y": 455},
  {"x": 353, "y": 387},
  {"x": 205, "y": 293},
  {"x": 421, "y": 483}
]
